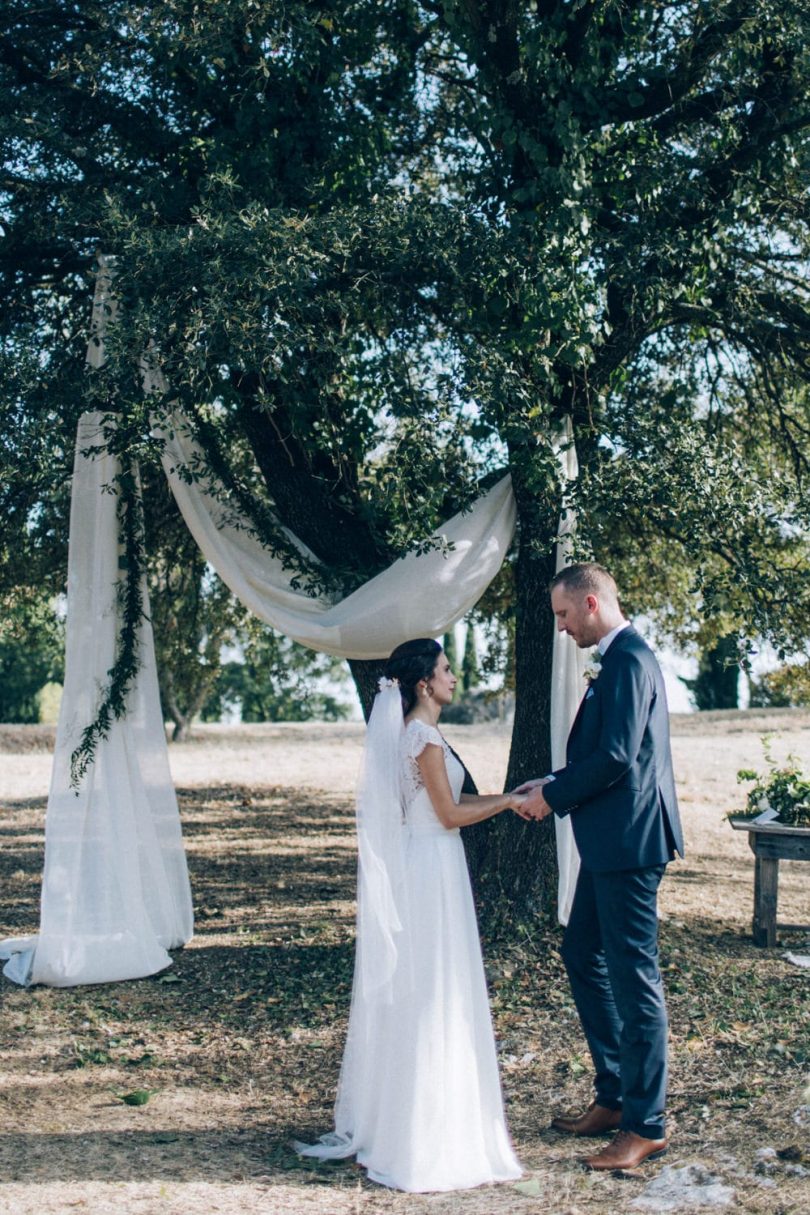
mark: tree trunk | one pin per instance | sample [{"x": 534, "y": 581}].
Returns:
[
  {"x": 366, "y": 672},
  {"x": 184, "y": 721},
  {"x": 716, "y": 686},
  {"x": 513, "y": 863},
  {"x": 168, "y": 702},
  {"x": 182, "y": 729}
]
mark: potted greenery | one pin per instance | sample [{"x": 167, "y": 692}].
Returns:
[{"x": 781, "y": 796}]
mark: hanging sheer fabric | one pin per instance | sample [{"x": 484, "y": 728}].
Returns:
[
  {"x": 380, "y": 870},
  {"x": 567, "y": 689},
  {"x": 115, "y": 890},
  {"x": 420, "y": 595}
]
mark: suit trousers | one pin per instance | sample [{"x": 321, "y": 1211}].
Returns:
[{"x": 610, "y": 950}]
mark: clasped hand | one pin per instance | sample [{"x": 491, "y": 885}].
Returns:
[{"x": 532, "y": 803}]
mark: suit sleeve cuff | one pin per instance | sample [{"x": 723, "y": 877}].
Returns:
[{"x": 560, "y": 811}]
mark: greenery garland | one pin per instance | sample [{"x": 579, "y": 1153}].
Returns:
[
  {"x": 129, "y": 595},
  {"x": 132, "y": 565},
  {"x": 258, "y": 519}
]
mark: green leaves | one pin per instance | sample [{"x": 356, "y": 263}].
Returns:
[
  {"x": 785, "y": 790},
  {"x": 384, "y": 250},
  {"x": 139, "y": 1096},
  {"x": 114, "y": 696}
]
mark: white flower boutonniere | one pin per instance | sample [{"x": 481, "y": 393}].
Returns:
[{"x": 593, "y": 669}]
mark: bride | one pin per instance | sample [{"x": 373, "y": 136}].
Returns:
[{"x": 419, "y": 1098}]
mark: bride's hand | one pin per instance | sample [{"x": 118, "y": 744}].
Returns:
[{"x": 516, "y": 801}]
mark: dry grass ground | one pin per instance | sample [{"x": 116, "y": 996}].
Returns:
[{"x": 238, "y": 1045}]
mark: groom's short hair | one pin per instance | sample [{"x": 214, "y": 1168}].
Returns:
[{"x": 586, "y": 578}]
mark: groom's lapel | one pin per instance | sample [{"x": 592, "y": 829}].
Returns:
[
  {"x": 612, "y": 650},
  {"x": 579, "y": 712}
]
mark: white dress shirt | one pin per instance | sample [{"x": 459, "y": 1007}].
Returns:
[{"x": 610, "y": 637}]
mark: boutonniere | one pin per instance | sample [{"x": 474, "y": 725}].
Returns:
[{"x": 593, "y": 669}]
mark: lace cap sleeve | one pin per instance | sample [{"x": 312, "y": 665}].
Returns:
[{"x": 418, "y": 736}]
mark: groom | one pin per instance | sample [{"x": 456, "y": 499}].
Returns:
[{"x": 619, "y": 789}]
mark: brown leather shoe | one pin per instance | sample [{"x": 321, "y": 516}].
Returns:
[
  {"x": 627, "y": 1151},
  {"x": 595, "y": 1121}
]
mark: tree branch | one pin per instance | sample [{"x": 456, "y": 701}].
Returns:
[{"x": 650, "y": 99}]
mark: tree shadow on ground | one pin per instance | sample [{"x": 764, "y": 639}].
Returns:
[
  {"x": 154, "y": 1155},
  {"x": 252, "y": 853},
  {"x": 300, "y": 983}
]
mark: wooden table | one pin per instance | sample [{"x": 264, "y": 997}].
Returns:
[{"x": 771, "y": 843}]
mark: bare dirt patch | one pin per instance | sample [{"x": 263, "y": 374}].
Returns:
[{"x": 238, "y": 1045}]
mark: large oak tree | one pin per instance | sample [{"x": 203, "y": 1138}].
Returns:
[{"x": 386, "y": 249}]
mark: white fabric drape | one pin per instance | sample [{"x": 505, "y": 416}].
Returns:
[
  {"x": 115, "y": 890},
  {"x": 105, "y": 919},
  {"x": 420, "y": 595},
  {"x": 567, "y": 689}
]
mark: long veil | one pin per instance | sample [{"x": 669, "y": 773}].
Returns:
[
  {"x": 381, "y": 912},
  {"x": 380, "y": 871}
]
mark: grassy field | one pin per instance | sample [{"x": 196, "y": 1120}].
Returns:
[{"x": 236, "y": 1048}]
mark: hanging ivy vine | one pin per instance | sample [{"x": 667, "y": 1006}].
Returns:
[
  {"x": 222, "y": 481},
  {"x": 129, "y": 594}
]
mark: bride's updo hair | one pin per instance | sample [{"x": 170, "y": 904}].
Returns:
[{"x": 410, "y": 662}]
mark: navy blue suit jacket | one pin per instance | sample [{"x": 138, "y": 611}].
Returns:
[{"x": 618, "y": 784}]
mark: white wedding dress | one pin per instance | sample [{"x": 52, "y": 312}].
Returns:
[{"x": 419, "y": 1100}]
